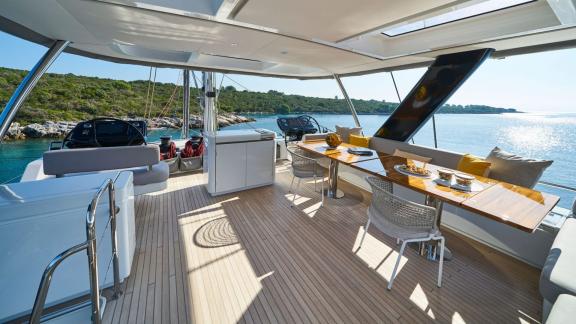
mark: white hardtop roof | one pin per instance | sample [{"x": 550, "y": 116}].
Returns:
[{"x": 297, "y": 38}]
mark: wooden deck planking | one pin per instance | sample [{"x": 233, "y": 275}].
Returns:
[{"x": 251, "y": 258}]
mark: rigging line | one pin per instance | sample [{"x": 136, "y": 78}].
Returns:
[
  {"x": 148, "y": 91},
  {"x": 107, "y": 271},
  {"x": 219, "y": 88},
  {"x": 197, "y": 92},
  {"x": 229, "y": 78},
  {"x": 395, "y": 87},
  {"x": 169, "y": 102},
  {"x": 398, "y": 94},
  {"x": 99, "y": 243},
  {"x": 10, "y": 180},
  {"x": 152, "y": 94}
]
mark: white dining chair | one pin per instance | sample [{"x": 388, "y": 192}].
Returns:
[
  {"x": 305, "y": 167},
  {"x": 403, "y": 220}
]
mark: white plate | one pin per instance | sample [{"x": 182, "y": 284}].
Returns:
[
  {"x": 399, "y": 169},
  {"x": 474, "y": 187},
  {"x": 444, "y": 183}
]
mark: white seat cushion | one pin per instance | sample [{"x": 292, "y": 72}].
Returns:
[
  {"x": 563, "y": 311},
  {"x": 558, "y": 274}
]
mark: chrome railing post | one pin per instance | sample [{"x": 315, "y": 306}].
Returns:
[
  {"x": 92, "y": 253},
  {"x": 114, "y": 238},
  {"x": 26, "y": 86},
  {"x": 186, "y": 106},
  {"x": 348, "y": 101},
  {"x": 90, "y": 246},
  {"x": 47, "y": 279}
]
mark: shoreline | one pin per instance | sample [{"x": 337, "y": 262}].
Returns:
[
  {"x": 58, "y": 129},
  {"x": 376, "y": 113}
]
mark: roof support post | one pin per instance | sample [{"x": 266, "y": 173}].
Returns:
[
  {"x": 348, "y": 101},
  {"x": 210, "y": 113},
  {"x": 434, "y": 130},
  {"x": 26, "y": 86},
  {"x": 186, "y": 106}
]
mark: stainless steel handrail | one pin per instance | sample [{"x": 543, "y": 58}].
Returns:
[
  {"x": 555, "y": 185},
  {"x": 90, "y": 246},
  {"x": 27, "y": 84}
]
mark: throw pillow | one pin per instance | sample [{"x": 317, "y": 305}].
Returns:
[
  {"x": 345, "y": 132},
  {"x": 362, "y": 141},
  {"x": 474, "y": 165},
  {"x": 516, "y": 169}
]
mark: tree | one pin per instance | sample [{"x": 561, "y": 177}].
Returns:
[{"x": 283, "y": 109}]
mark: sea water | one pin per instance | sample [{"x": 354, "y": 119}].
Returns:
[{"x": 540, "y": 136}]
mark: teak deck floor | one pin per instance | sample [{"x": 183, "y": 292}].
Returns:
[{"x": 250, "y": 257}]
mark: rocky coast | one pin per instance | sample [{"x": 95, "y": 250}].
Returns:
[{"x": 59, "y": 129}]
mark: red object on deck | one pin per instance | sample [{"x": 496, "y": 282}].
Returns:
[
  {"x": 188, "y": 150},
  {"x": 170, "y": 153}
]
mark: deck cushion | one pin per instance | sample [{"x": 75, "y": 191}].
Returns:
[
  {"x": 99, "y": 159},
  {"x": 563, "y": 311},
  {"x": 411, "y": 156},
  {"x": 359, "y": 140},
  {"x": 515, "y": 169},
  {"x": 474, "y": 165},
  {"x": 345, "y": 132},
  {"x": 439, "y": 157},
  {"x": 558, "y": 275},
  {"x": 159, "y": 173}
]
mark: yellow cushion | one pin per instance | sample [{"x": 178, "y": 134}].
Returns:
[
  {"x": 411, "y": 156},
  {"x": 358, "y": 140},
  {"x": 474, "y": 165}
]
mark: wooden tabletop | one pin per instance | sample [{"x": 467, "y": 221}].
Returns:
[
  {"x": 385, "y": 167},
  {"x": 340, "y": 153},
  {"x": 516, "y": 206}
]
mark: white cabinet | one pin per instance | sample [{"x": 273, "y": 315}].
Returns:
[
  {"x": 41, "y": 219},
  {"x": 259, "y": 167},
  {"x": 238, "y": 160},
  {"x": 230, "y": 166}
]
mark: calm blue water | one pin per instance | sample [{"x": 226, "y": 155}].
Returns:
[{"x": 543, "y": 136}]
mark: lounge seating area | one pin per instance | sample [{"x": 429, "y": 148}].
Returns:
[
  {"x": 529, "y": 247},
  {"x": 150, "y": 174},
  {"x": 557, "y": 276},
  {"x": 555, "y": 254}
]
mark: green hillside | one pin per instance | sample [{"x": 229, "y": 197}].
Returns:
[{"x": 71, "y": 97}]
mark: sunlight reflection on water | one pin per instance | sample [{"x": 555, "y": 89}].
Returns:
[{"x": 533, "y": 139}]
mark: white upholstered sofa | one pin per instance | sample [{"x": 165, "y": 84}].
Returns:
[
  {"x": 150, "y": 174},
  {"x": 531, "y": 248}
]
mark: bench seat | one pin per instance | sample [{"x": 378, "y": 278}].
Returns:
[
  {"x": 563, "y": 311},
  {"x": 531, "y": 248},
  {"x": 150, "y": 174},
  {"x": 559, "y": 272}
]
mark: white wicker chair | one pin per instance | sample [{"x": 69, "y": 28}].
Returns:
[
  {"x": 305, "y": 167},
  {"x": 403, "y": 220}
]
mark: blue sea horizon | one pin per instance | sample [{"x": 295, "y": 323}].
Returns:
[{"x": 550, "y": 136}]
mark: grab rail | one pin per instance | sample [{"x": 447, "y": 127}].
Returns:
[
  {"x": 555, "y": 185},
  {"x": 90, "y": 246}
]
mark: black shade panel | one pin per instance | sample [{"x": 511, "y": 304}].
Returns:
[{"x": 441, "y": 80}]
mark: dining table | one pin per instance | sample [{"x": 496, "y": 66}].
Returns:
[
  {"x": 336, "y": 155},
  {"x": 513, "y": 205}
]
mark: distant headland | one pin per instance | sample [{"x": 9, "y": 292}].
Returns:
[{"x": 68, "y": 97}]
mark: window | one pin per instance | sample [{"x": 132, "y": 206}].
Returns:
[{"x": 454, "y": 15}]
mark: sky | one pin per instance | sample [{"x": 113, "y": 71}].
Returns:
[{"x": 541, "y": 82}]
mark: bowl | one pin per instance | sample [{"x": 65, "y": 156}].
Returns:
[
  {"x": 333, "y": 140},
  {"x": 445, "y": 174},
  {"x": 464, "y": 179}
]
